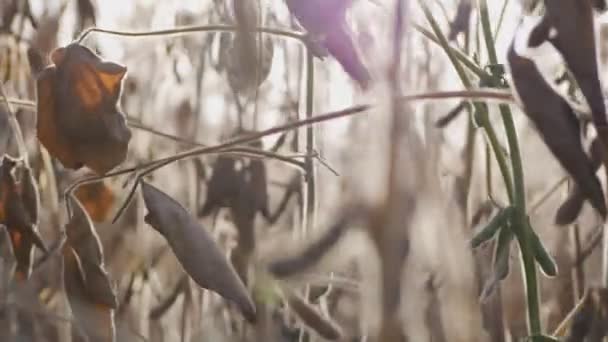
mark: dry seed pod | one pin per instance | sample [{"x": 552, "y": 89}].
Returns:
[
  {"x": 79, "y": 121},
  {"x": 312, "y": 318},
  {"x": 223, "y": 186},
  {"x": 248, "y": 54},
  {"x": 558, "y": 126},
  {"x": 572, "y": 206},
  {"x": 86, "y": 14},
  {"x": 573, "y": 25},
  {"x": 195, "y": 249}
]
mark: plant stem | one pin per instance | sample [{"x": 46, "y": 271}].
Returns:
[
  {"x": 186, "y": 30},
  {"x": 15, "y": 126},
  {"x": 521, "y": 227},
  {"x": 310, "y": 141},
  {"x": 481, "y": 109}
]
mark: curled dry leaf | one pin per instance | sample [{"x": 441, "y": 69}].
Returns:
[
  {"x": 197, "y": 252},
  {"x": 312, "y": 318},
  {"x": 89, "y": 291},
  {"x": 325, "y": 20},
  {"x": 19, "y": 213},
  {"x": 97, "y": 199},
  {"x": 557, "y": 125},
  {"x": 571, "y": 208},
  {"x": 574, "y": 38},
  {"x": 79, "y": 122}
]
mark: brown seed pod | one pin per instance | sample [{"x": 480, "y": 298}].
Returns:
[
  {"x": 574, "y": 38},
  {"x": 572, "y": 206},
  {"x": 195, "y": 249},
  {"x": 558, "y": 126},
  {"x": 79, "y": 122}
]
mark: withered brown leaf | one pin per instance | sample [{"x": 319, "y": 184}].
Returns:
[
  {"x": 79, "y": 121},
  {"x": 557, "y": 125},
  {"x": 83, "y": 239},
  {"x": 97, "y": 199},
  {"x": 89, "y": 291},
  {"x": 19, "y": 213},
  {"x": 95, "y": 320},
  {"x": 197, "y": 252}
]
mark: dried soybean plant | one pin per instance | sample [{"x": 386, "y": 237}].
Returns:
[{"x": 400, "y": 267}]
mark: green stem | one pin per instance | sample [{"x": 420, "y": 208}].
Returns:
[
  {"x": 520, "y": 226},
  {"x": 480, "y": 108}
]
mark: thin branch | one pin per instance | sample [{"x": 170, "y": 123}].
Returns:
[
  {"x": 151, "y": 166},
  {"x": 534, "y": 207},
  {"x": 15, "y": 127},
  {"x": 188, "y": 29}
]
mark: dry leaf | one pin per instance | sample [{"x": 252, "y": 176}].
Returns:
[
  {"x": 89, "y": 291},
  {"x": 97, "y": 199},
  {"x": 19, "y": 213},
  {"x": 79, "y": 122},
  {"x": 95, "y": 320},
  {"x": 195, "y": 249},
  {"x": 557, "y": 125},
  {"x": 83, "y": 239},
  {"x": 325, "y": 21}
]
